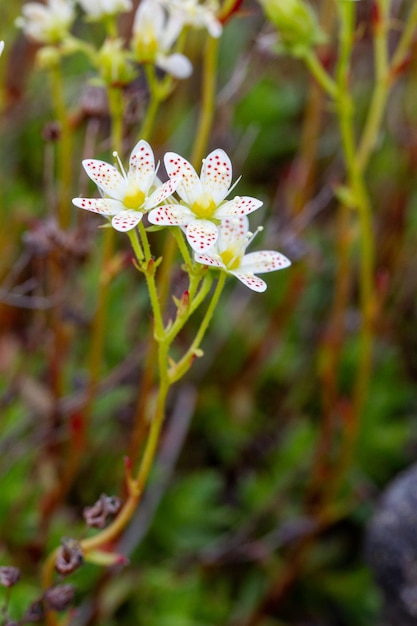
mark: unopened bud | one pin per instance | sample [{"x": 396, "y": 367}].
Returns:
[
  {"x": 9, "y": 576},
  {"x": 297, "y": 25},
  {"x": 114, "y": 65},
  {"x": 60, "y": 597},
  {"x": 69, "y": 557}
]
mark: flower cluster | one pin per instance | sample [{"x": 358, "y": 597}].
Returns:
[
  {"x": 216, "y": 229},
  {"x": 157, "y": 26}
]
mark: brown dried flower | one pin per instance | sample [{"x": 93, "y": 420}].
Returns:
[
  {"x": 96, "y": 515},
  {"x": 60, "y": 597},
  {"x": 69, "y": 557},
  {"x": 9, "y": 576}
]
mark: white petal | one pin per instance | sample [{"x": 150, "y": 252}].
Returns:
[
  {"x": 201, "y": 235},
  {"x": 250, "y": 280},
  {"x": 170, "y": 215},
  {"x": 104, "y": 206},
  {"x": 216, "y": 174},
  {"x": 126, "y": 220},
  {"x": 106, "y": 177},
  {"x": 142, "y": 165},
  {"x": 161, "y": 193},
  {"x": 264, "y": 261},
  {"x": 213, "y": 261},
  {"x": 231, "y": 230},
  {"x": 241, "y": 205},
  {"x": 175, "y": 64},
  {"x": 189, "y": 187}
]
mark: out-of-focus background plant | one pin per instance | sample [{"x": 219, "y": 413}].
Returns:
[{"x": 278, "y": 442}]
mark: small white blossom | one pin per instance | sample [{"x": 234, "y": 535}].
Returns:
[
  {"x": 203, "y": 204},
  {"x": 197, "y": 14},
  {"x": 1, "y": 47},
  {"x": 97, "y": 9},
  {"x": 154, "y": 34},
  {"x": 47, "y": 23},
  {"x": 126, "y": 196},
  {"x": 229, "y": 255}
]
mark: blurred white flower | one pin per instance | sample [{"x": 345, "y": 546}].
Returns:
[
  {"x": 229, "y": 255},
  {"x": 1, "y": 46},
  {"x": 47, "y": 23},
  {"x": 97, "y": 9},
  {"x": 155, "y": 32},
  {"x": 197, "y": 14}
]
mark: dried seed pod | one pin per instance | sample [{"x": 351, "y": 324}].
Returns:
[
  {"x": 35, "y": 613},
  {"x": 96, "y": 515},
  {"x": 9, "y": 576},
  {"x": 60, "y": 597},
  {"x": 69, "y": 557}
]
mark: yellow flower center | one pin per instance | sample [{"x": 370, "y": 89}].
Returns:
[
  {"x": 204, "y": 206},
  {"x": 134, "y": 197},
  {"x": 230, "y": 259},
  {"x": 146, "y": 47}
]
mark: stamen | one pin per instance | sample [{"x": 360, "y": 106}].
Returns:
[
  {"x": 119, "y": 163},
  {"x": 251, "y": 236}
]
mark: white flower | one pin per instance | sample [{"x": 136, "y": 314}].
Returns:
[
  {"x": 1, "y": 47},
  {"x": 197, "y": 14},
  {"x": 203, "y": 206},
  {"x": 48, "y": 23},
  {"x": 229, "y": 255},
  {"x": 155, "y": 32},
  {"x": 126, "y": 196},
  {"x": 97, "y": 9}
]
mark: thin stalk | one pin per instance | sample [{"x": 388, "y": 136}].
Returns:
[
  {"x": 178, "y": 370},
  {"x": 64, "y": 148},
  {"x": 208, "y": 100},
  {"x": 381, "y": 90}
]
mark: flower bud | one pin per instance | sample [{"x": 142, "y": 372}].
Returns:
[
  {"x": 296, "y": 23},
  {"x": 113, "y": 64},
  {"x": 35, "y": 613}
]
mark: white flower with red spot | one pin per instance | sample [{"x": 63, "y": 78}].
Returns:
[
  {"x": 229, "y": 255},
  {"x": 203, "y": 205},
  {"x": 126, "y": 196}
]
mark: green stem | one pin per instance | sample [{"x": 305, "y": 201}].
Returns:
[
  {"x": 320, "y": 74},
  {"x": 116, "y": 106},
  {"x": 154, "y": 102},
  {"x": 178, "y": 370},
  {"x": 208, "y": 100},
  {"x": 64, "y": 148},
  {"x": 403, "y": 46},
  {"x": 381, "y": 91},
  {"x": 358, "y": 189}
]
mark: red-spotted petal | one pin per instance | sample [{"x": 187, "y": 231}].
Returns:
[
  {"x": 142, "y": 165},
  {"x": 216, "y": 174},
  {"x": 126, "y": 220},
  {"x": 264, "y": 261},
  {"x": 106, "y": 177},
  {"x": 163, "y": 192},
  {"x": 189, "y": 186},
  {"x": 250, "y": 280},
  {"x": 104, "y": 206},
  {"x": 201, "y": 235},
  {"x": 213, "y": 261},
  {"x": 170, "y": 215},
  {"x": 232, "y": 229},
  {"x": 241, "y": 205}
]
